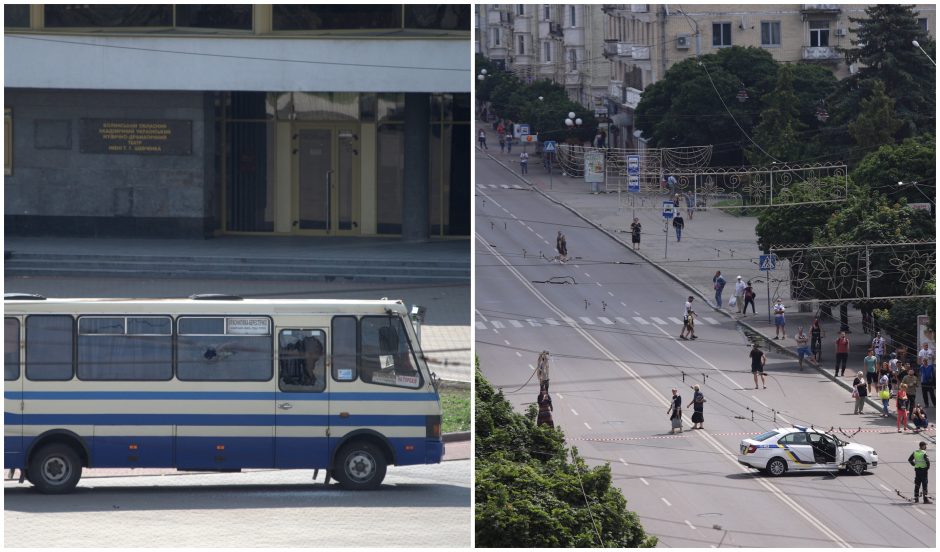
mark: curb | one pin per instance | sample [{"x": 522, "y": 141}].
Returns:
[{"x": 456, "y": 437}]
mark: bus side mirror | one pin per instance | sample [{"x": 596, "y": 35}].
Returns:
[{"x": 417, "y": 319}]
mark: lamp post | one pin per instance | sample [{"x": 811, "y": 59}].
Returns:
[
  {"x": 915, "y": 43},
  {"x": 571, "y": 122}
]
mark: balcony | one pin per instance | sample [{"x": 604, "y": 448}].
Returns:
[
  {"x": 639, "y": 8},
  {"x": 572, "y": 78},
  {"x": 618, "y": 49},
  {"x": 820, "y": 8},
  {"x": 821, "y": 53},
  {"x": 631, "y": 97},
  {"x": 640, "y": 52}
]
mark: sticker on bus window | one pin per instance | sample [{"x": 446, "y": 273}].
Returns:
[
  {"x": 411, "y": 381},
  {"x": 379, "y": 377},
  {"x": 386, "y": 361},
  {"x": 248, "y": 326},
  {"x": 344, "y": 374}
]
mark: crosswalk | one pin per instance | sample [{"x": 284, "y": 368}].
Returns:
[
  {"x": 500, "y": 187},
  {"x": 505, "y": 323}
]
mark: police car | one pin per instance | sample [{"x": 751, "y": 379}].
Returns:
[{"x": 799, "y": 448}]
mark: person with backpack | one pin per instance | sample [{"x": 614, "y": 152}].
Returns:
[
  {"x": 749, "y": 297},
  {"x": 719, "y": 282}
]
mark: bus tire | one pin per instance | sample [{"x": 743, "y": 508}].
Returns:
[
  {"x": 360, "y": 466},
  {"x": 55, "y": 469}
]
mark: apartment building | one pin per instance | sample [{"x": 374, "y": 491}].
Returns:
[
  {"x": 563, "y": 43},
  {"x": 643, "y": 40}
]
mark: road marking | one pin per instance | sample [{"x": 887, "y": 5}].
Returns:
[
  {"x": 658, "y": 320},
  {"x": 711, "y": 321},
  {"x": 624, "y": 462},
  {"x": 518, "y": 354},
  {"x": 675, "y": 320},
  {"x": 504, "y": 186},
  {"x": 552, "y": 322},
  {"x": 539, "y": 235},
  {"x": 520, "y": 222},
  {"x": 516, "y": 323},
  {"x": 657, "y": 395},
  {"x": 622, "y": 320},
  {"x": 481, "y": 325},
  {"x": 586, "y": 425},
  {"x": 738, "y": 385},
  {"x": 610, "y": 293},
  {"x": 645, "y": 482},
  {"x": 546, "y": 243},
  {"x": 575, "y": 412},
  {"x": 497, "y": 324},
  {"x": 919, "y": 511},
  {"x": 689, "y": 524},
  {"x": 607, "y": 321},
  {"x": 641, "y": 321},
  {"x": 760, "y": 401},
  {"x": 598, "y": 284},
  {"x": 506, "y": 341},
  {"x": 587, "y": 320},
  {"x": 480, "y": 314},
  {"x": 513, "y": 216},
  {"x": 885, "y": 488},
  {"x": 569, "y": 321},
  {"x": 560, "y": 396},
  {"x": 623, "y": 304},
  {"x": 666, "y": 501},
  {"x": 533, "y": 323},
  {"x": 531, "y": 367},
  {"x": 586, "y": 274}
]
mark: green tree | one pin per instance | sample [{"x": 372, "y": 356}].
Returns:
[
  {"x": 780, "y": 124},
  {"x": 528, "y": 494},
  {"x": 913, "y": 160},
  {"x": 802, "y": 221},
  {"x": 876, "y": 123}
]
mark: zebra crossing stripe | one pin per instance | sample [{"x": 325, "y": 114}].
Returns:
[
  {"x": 567, "y": 320},
  {"x": 587, "y": 320},
  {"x": 622, "y": 320},
  {"x": 659, "y": 321},
  {"x": 641, "y": 321},
  {"x": 710, "y": 320},
  {"x": 497, "y": 324},
  {"x": 675, "y": 320},
  {"x": 533, "y": 323},
  {"x": 552, "y": 322},
  {"x": 607, "y": 321},
  {"x": 481, "y": 325},
  {"x": 515, "y": 323}
]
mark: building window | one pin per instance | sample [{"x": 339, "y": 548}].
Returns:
[
  {"x": 572, "y": 16},
  {"x": 819, "y": 33},
  {"x": 547, "y": 48},
  {"x": 547, "y": 12},
  {"x": 495, "y": 37},
  {"x": 16, "y": 16},
  {"x": 721, "y": 34},
  {"x": 521, "y": 50},
  {"x": 214, "y": 16},
  {"x": 922, "y": 23},
  {"x": 300, "y": 17},
  {"x": 114, "y": 15},
  {"x": 520, "y": 9},
  {"x": 770, "y": 33},
  {"x": 572, "y": 60}
]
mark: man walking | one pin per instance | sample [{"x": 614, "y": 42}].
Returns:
[
  {"x": 561, "y": 244},
  {"x": 878, "y": 345},
  {"x": 635, "y": 229},
  {"x": 688, "y": 321},
  {"x": 928, "y": 382},
  {"x": 842, "y": 353},
  {"x": 871, "y": 369},
  {"x": 802, "y": 346},
  {"x": 758, "y": 360},
  {"x": 780, "y": 321},
  {"x": 913, "y": 382},
  {"x": 739, "y": 288},
  {"x": 921, "y": 464},
  {"x": 719, "y": 282},
  {"x": 524, "y": 162},
  {"x": 482, "y": 138},
  {"x": 678, "y": 224}
]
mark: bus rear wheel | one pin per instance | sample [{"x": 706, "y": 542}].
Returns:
[
  {"x": 360, "y": 466},
  {"x": 55, "y": 469}
]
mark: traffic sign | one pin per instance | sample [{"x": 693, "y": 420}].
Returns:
[
  {"x": 529, "y": 138},
  {"x": 549, "y": 146},
  {"x": 633, "y": 165},
  {"x": 634, "y": 184},
  {"x": 668, "y": 209},
  {"x": 768, "y": 262}
]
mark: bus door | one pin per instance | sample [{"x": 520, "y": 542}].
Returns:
[
  {"x": 302, "y": 406},
  {"x": 13, "y": 394}
]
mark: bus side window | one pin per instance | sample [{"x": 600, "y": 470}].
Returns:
[
  {"x": 49, "y": 341},
  {"x": 345, "y": 361},
  {"x": 11, "y": 349},
  {"x": 302, "y": 360}
]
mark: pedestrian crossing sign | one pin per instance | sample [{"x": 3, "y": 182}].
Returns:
[
  {"x": 550, "y": 146},
  {"x": 768, "y": 262}
]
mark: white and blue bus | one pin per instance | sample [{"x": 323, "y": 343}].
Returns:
[{"x": 215, "y": 383}]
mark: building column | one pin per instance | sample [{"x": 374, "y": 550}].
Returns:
[{"x": 415, "y": 192}]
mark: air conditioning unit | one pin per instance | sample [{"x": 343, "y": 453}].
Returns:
[
  {"x": 841, "y": 31},
  {"x": 683, "y": 41}
]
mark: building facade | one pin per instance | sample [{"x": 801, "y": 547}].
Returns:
[
  {"x": 642, "y": 41},
  {"x": 563, "y": 43},
  {"x": 196, "y": 120}
]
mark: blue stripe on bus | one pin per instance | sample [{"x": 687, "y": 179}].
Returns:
[
  {"x": 213, "y": 396},
  {"x": 65, "y": 420}
]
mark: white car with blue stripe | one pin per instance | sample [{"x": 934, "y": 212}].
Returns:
[{"x": 804, "y": 449}]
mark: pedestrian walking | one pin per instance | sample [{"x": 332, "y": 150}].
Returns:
[
  {"x": 635, "y": 229},
  {"x": 690, "y": 205},
  {"x": 901, "y": 405},
  {"x": 688, "y": 321},
  {"x": 884, "y": 393},
  {"x": 524, "y": 162},
  {"x": 675, "y": 411},
  {"x": 928, "y": 381},
  {"x": 912, "y": 380},
  {"x": 758, "y": 360},
  {"x": 678, "y": 223},
  {"x": 502, "y": 143},
  {"x": 698, "y": 411},
  {"x": 870, "y": 363},
  {"x": 509, "y": 141},
  {"x": 802, "y": 346},
  {"x": 739, "y": 288},
  {"x": 541, "y": 371},
  {"x": 482, "y": 138},
  {"x": 749, "y": 297},
  {"x": 878, "y": 345},
  {"x": 719, "y": 282},
  {"x": 561, "y": 244},
  {"x": 859, "y": 392},
  {"x": 545, "y": 410},
  {"x": 815, "y": 339},
  {"x": 919, "y": 418},
  {"x": 842, "y": 353},
  {"x": 921, "y": 464},
  {"x": 780, "y": 321}
]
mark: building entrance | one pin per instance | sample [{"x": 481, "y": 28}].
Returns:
[{"x": 325, "y": 179}]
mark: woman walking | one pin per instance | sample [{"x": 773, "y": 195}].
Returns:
[
  {"x": 698, "y": 403},
  {"x": 860, "y": 393},
  {"x": 884, "y": 394},
  {"x": 675, "y": 411},
  {"x": 545, "y": 409},
  {"x": 901, "y": 405},
  {"x": 749, "y": 296},
  {"x": 815, "y": 339}
]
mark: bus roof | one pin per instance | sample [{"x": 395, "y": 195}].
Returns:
[{"x": 188, "y": 305}]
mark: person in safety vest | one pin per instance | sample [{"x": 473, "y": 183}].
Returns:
[{"x": 921, "y": 464}]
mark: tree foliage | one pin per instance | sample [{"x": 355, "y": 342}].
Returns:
[
  {"x": 912, "y": 161},
  {"x": 528, "y": 494},
  {"x": 779, "y": 125}
]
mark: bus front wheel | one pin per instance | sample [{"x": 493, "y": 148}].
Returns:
[
  {"x": 360, "y": 466},
  {"x": 55, "y": 469}
]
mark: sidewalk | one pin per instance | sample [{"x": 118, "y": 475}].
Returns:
[{"x": 712, "y": 240}]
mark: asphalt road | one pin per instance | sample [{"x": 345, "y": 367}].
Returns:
[
  {"x": 417, "y": 506},
  {"x": 613, "y": 334}
]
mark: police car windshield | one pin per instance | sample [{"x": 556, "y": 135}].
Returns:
[{"x": 764, "y": 436}]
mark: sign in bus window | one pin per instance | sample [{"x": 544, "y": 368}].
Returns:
[
  {"x": 387, "y": 358},
  {"x": 206, "y": 352},
  {"x": 11, "y": 349},
  {"x": 301, "y": 360}
]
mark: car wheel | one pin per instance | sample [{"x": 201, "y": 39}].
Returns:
[
  {"x": 55, "y": 469},
  {"x": 777, "y": 467},
  {"x": 360, "y": 466},
  {"x": 857, "y": 465}
]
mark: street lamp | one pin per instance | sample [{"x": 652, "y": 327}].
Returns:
[
  {"x": 915, "y": 43},
  {"x": 482, "y": 76}
]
